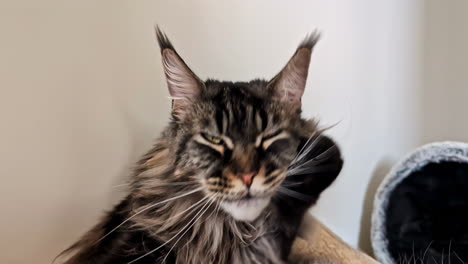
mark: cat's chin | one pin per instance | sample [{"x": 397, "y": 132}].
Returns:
[{"x": 246, "y": 210}]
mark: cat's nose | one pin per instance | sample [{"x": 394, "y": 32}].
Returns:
[{"x": 247, "y": 178}]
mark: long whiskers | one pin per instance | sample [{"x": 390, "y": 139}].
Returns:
[
  {"x": 165, "y": 243},
  {"x": 184, "y": 183},
  {"x": 458, "y": 257},
  {"x": 187, "y": 229},
  {"x": 310, "y": 169},
  {"x": 308, "y": 145},
  {"x": 311, "y": 165},
  {"x": 146, "y": 209},
  {"x": 192, "y": 208},
  {"x": 219, "y": 207},
  {"x": 294, "y": 194},
  {"x": 314, "y": 161}
]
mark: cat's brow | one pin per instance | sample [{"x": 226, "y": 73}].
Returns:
[
  {"x": 228, "y": 142},
  {"x": 267, "y": 143}
]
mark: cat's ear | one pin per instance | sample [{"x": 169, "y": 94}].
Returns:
[
  {"x": 184, "y": 86},
  {"x": 289, "y": 84}
]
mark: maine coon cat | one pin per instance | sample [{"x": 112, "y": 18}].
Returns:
[{"x": 228, "y": 180}]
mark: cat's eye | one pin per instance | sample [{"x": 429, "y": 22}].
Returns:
[{"x": 212, "y": 139}]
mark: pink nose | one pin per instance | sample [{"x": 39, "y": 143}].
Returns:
[{"x": 247, "y": 178}]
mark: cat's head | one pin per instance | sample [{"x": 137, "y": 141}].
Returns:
[{"x": 237, "y": 139}]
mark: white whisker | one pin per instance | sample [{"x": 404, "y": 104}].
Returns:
[
  {"x": 425, "y": 252},
  {"x": 317, "y": 158},
  {"x": 185, "y": 183},
  {"x": 120, "y": 185},
  {"x": 458, "y": 257},
  {"x": 450, "y": 247},
  {"x": 146, "y": 209},
  {"x": 303, "y": 147},
  {"x": 310, "y": 170},
  {"x": 193, "y": 207},
  {"x": 307, "y": 149},
  {"x": 294, "y": 194},
  {"x": 219, "y": 207},
  {"x": 165, "y": 243},
  {"x": 180, "y": 237},
  {"x": 177, "y": 183}
]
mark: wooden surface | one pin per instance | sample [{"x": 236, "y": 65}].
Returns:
[{"x": 319, "y": 245}]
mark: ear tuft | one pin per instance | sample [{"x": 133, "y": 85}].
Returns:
[
  {"x": 310, "y": 41},
  {"x": 184, "y": 86},
  {"x": 163, "y": 40},
  {"x": 289, "y": 84}
]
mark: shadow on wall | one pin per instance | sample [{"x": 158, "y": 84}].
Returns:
[
  {"x": 382, "y": 169},
  {"x": 443, "y": 93}
]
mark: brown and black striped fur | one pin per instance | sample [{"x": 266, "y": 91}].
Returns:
[{"x": 174, "y": 211}]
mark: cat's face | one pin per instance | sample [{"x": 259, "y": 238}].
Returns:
[
  {"x": 236, "y": 139},
  {"x": 240, "y": 145}
]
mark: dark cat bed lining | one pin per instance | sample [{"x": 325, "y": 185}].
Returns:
[{"x": 421, "y": 208}]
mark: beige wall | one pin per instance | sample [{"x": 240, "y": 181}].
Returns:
[{"x": 82, "y": 95}]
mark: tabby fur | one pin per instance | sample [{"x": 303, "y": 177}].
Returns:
[{"x": 177, "y": 209}]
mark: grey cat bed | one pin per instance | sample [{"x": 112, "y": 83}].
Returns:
[{"x": 421, "y": 208}]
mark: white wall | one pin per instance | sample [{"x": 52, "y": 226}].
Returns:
[
  {"x": 445, "y": 69},
  {"x": 83, "y": 95}
]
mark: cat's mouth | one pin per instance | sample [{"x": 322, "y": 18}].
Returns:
[
  {"x": 248, "y": 199},
  {"x": 246, "y": 209}
]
